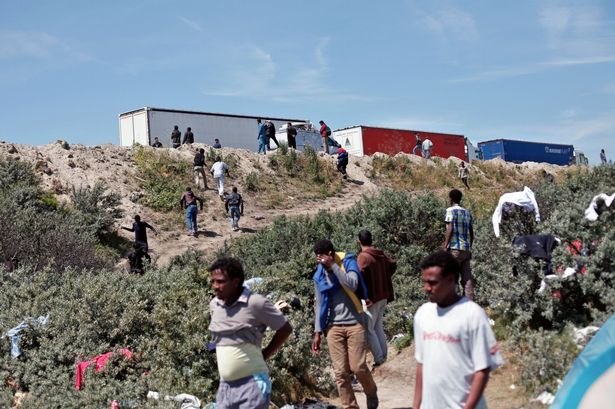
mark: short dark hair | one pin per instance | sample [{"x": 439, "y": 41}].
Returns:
[
  {"x": 176, "y": 127},
  {"x": 365, "y": 237},
  {"x": 323, "y": 247},
  {"x": 455, "y": 195},
  {"x": 321, "y": 122},
  {"x": 137, "y": 217},
  {"x": 189, "y": 128},
  {"x": 188, "y": 189},
  {"x": 218, "y": 159},
  {"x": 231, "y": 266},
  {"x": 202, "y": 150},
  {"x": 258, "y": 120},
  {"x": 234, "y": 189},
  {"x": 443, "y": 259}
]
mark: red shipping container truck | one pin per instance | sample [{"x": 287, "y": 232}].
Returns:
[{"x": 367, "y": 140}]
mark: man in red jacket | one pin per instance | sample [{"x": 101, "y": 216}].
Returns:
[
  {"x": 325, "y": 132},
  {"x": 377, "y": 269}
]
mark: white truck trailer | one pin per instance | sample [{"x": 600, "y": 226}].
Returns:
[{"x": 142, "y": 125}]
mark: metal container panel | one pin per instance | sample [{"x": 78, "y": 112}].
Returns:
[{"x": 351, "y": 139}]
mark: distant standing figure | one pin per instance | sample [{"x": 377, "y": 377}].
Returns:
[
  {"x": 603, "y": 157},
  {"x": 455, "y": 348},
  {"x": 176, "y": 137},
  {"x": 270, "y": 133},
  {"x": 261, "y": 138},
  {"x": 157, "y": 143},
  {"x": 377, "y": 270},
  {"x": 342, "y": 162},
  {"x": 198, "y": 170},
  {"x": 135, "y": 259},
  {"x": 325, "y": 133},
  {"x": 234, "y": 204},
  {"x": 218, "y": 170},
  {"x": 417, "y": 145},
  {"x": 188, "y": 136},
  {"x": 427, "y": 144},
  {"x": 189, "y": 201},
  {"x": 140, "y": 230},
  {"x": 216, "y": 144},
  {"x": 458, "y": 239},
  {"x": 291, "y": 135},
  {"x": 463, "y": 174}
]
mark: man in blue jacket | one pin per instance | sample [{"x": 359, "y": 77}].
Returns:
[
  {"x": 339, "y": 289},
  {"x": 262, "y": 137}
]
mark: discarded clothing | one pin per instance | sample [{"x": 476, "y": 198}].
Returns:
[
  {"x": 591, "y": 213},
  {"x": 567, "y": 273},
  {"x": 524, "y": 199},
  {"x": 15, "y": 333},
  {"x": 254, "y": 281},
  {"x": 537, "y": 246},
  {"x": 188, "y": 401},
  {"x": 100, "y": 361}
]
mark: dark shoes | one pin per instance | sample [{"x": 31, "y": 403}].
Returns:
[{"x": 372, "y": 402}]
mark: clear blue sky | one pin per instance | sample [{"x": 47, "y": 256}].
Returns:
[{"x": 532, "y": 70}]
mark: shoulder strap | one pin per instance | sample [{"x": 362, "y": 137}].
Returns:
[{"x": 339, "y": 257}]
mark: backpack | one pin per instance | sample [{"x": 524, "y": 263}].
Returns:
[
  {"x": 234, "y": 199},
  {"x": 328, "y": 131}
]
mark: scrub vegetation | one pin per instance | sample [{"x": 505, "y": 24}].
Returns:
[{"x": 162, "y": 316}]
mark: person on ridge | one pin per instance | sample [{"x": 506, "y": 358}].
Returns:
[
  {"x": 418, "y": 145},
  {"x": 342, "y": 162},
  {"x": 339, "y": 288},
  {"x": 261, "y": 138},
  {"x": 176, "y": 137},
  {"x": 427, "y": 144},
  {"x": 463, "y": 174},
  {"x": 270, "y": 134},
  {"x": 234, "y": 203},
  {"x": 188, "y": 136},
  {"x": 325, "y": 133},
  {"x": 217, "y": 144},
  {"x": 157, "y": 143},
  {"x": 377, "y": 270},
  {"x": 291, "y": 135}
]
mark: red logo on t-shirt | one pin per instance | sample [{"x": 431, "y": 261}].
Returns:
[{"x": 438, "y": 336}]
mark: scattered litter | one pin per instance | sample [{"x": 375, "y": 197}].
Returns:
[
  {"x": 100, "y": 361},
  {"x": 591, "y": 213},
  {"x": 550, "y": 277},
  {"x": 524, "y": 199},
  {"x": 582, "y": 334},
  {"x": 546, "y": 398},
  {"x": 187, "y": 401},
  {"x": 513, "y": 387},
  {"x": 397, "y": 336},
  {"x": 252, "y": 282},
  {"x": 15, "y": 333}
]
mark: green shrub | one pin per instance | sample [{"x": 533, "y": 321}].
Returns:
[{"x": 251, "y": 182}]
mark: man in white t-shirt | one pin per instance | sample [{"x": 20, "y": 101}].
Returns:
[
  {"x": 218, "y": 170},
  {"x": 427, "y": 144},
  {"x": 455, "y": 347}
]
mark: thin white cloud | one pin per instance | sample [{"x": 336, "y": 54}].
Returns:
[
  {"x": 441, "y": 124},
  {"x": 450, "y": 24},
  {"x": 31, "y": 44},
  {"x": 191, "y": 23},
  {"x": 255, "y": 74}
]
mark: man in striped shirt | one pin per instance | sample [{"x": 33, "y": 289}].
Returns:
[{"x": 458, "y": 239}]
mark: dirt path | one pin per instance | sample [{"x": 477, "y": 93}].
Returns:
[
  {"x": 395, "y": 380},
  {"x": 214, "y": 224}
]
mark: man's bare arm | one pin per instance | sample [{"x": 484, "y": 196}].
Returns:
[
  {"x": 479, "y": 382},
  {"x": 418, "y": 387},
  {"x": 278, "y": 340}
]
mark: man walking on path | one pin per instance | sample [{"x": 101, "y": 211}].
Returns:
[
  {"x": 176, "y": 137},
  {"x": 463, "y": 174},
  {"x": 188, "y": 136},
  {"x": 234, "y": 203},
  {"x": 270, "y": 134},
  {"x": 377, "y": 270},
  {"x": 418, "y": 144},
  {"x": 140, "y": 230},
  {"x": 339, "y": 315},
  {"x": 291, "y": 135},
  {"x": 427, "y": 144},
  {"x": 455, "y": 349},
  {"x": 325, "y": 132},
  {"x": 458, "y": 239},
  {"x": 189, "y": 201},
  {"x": 218, "y": 170},
  {"x": 239, "y": 319},
  {"x": 199, "y": 168},
  {"x": 262, "y": 138}
]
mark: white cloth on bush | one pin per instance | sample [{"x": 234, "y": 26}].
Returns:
[
  {"x": 567, "y": 273},
  {"x": 591, "y": 213},
  {"x": 524, "y": 199},
  {"x": 188, "y": 401},
  {"x": 15, "y": 333}
]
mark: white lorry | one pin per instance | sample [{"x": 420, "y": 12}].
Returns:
[{"x": 238, "y": 131}]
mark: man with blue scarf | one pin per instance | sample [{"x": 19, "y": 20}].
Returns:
[{"x": 339, "y": 289}]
